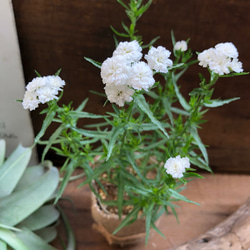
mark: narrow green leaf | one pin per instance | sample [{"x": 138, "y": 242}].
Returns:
[
  {"x": 118, "y": 33},
  {"x": 46, "y": 122},
  {"x": 197, "y": 161},
  {"x": 120, "y": 194},
  {"x": 157, "y": 230},
  {"x": 123, "y": 4},
  {"x": 179, "y": 196},
  {"x": 96, "y": 173},
  {"x": 82, "y": 105},
  {"x": 115, "y": 133},
  {"x": 58, "y": 72},
  {"x": 13, "y": 168},
  {"x": 71, "y": 243},
  {"x": 218, "y": 103},
  {"x": 90, "y": 133},
  {"x": 148, "y": 215},
  {"x": 130, "y": 218},
  {"x": 181, "y": 99},
  {"x": 131, "y": 161},
  {"x": 201, "y": 146},
  {"x": 78, "y": 114},
  {"x": 95, "y": 63},
  {"x": 19, "y": 205},
  {"x": 52, "y": 139},
  {"x": 151, "y": 42},
  {"x": 69, "y": 171},
  {"x": 142, "y": 104}
]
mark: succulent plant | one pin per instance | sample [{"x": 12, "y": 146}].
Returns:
[{"x": 27, "y": 214}]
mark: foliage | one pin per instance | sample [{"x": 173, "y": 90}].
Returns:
[
  {"x": 27, "y": 214},
  {"x": 132, "y": 143}
]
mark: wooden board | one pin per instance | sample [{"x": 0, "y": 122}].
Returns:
[
  {"x": 218, "y": 195},
  {"x": 58, "y": 34}
]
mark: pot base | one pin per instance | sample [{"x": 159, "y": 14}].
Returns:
[{"x": 116, "y": 240}]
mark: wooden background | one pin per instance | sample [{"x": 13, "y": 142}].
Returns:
[{"x": 59, "y": 34}]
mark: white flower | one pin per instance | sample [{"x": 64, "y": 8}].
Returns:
[
  {"x": 30, "y": 100},
  {"x": 131, "y": 51},
  {"x": 46, "y": 93},
  {"x": 141, "y": 76},
  {"x": 119, "y": 94},
  {"x": 206, "y": 56},
  {"x": 158, "y": 59},
  {"x": 228, "y": 49},
  {"x": 55, "y": 82},
  {"x": 181, "y": 45},
  {"x": 236, "y": 66},
  {"x": 35, "y": 84},
  {"x": 115, "y": 70},
  {"x": 42, "y": 90},
  {"x": 222, "y": 59},
  {"x": 177, "y": 166},
  {"x": 220, "y": 64}
]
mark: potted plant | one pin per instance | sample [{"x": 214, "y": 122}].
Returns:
[{"x": 147, "y": 148}]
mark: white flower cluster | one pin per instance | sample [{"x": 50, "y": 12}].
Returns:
[
  {"x": 123, "y": 73},
  {"x": 222, "y": 59},
  {"x": 177, "y": 166},
  {"x": 181, "y": 45},
  {"x": 41, "y": 90}
]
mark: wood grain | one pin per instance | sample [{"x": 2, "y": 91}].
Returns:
[
  {"x": 58, "y": 34},
  {"x": 219, "y": 196}
]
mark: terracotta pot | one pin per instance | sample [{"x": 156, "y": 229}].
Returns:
[{"x": 107, "y": 222}]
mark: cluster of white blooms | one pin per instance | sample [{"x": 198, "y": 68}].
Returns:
[
  {"x": 177, "y": 166},
  {"x": 222, "y": 59},
  {"x": 181, "y": 45},
  {"x": 158, "y": 59},
  {"x": 123, "y": 73},
  {"x": 41, "y": 90}
]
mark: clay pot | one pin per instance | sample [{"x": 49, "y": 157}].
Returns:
[{"x": 106, "y": 223}]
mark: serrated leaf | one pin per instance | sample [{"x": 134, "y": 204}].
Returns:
[
  {"x": 20, "y": 204},
  {"x": 13, "y": 168}
]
